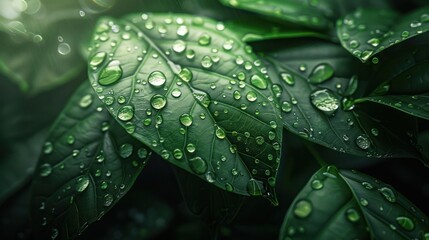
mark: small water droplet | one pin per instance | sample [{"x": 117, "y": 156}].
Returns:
[
  {"x": 48, "y": 148},
  {"x": 206, "y": 62},
  {"x": 186, "y": 120},
  {"x": 364, "y": 202},
  {"x": 251, "y": 96},
  {"x": 179, "y": 46},
  {"x": 108, "y": 200},
  {"x": 352, "y": 215},
  {"x": 82, "y": 183},
  {"x": 185, "y": 74},
  {"x": 367, "y": 185},
  {"x": 126, "y": 150},
  {"x": 374, "y": 42},
  {"x": 45, "y": 169},
  {"x": 204, "y": 39},
  {"x": 302, "y": 208},
  {"x": 388, "y": 194},
  {"x": 142, "y": 153},
  {"x": 157, "y": 79},
  {"x": 126, "y": 113},
  {"x": 363, "y": 142},
  {"x": 177, "y": 154},
  {"x": 406, "y": 223},
  {"x": 258, "y": 82},
  {"x": 220, "y": 133},
  {"x": 321, "y": 73},
  {"x": 198, "y": 165},
  {"x": 182, "y": 31},
  {"x": 85, "y": 101},
  {"x": 286, "y": 106},
  {"x": 229, "y": 187},
  {"x": 98, "y": 59},
  {"x": 158, "y": 101},
  {"x": 317, "y": 184},
  {"x": 64, "y": 48}
]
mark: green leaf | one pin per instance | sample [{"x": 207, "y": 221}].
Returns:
[
  {"x": 195, "y": 94},
  {"x": 314, "y": 14},
  {"x": 39, "y": 49},
  {"x": 346, "y": 205},
  {"x": 316, "y": 92},
  {"x": 366, "y": 33},
  {"x": 416, "y": 105},
  {"x": 212, "y": 204},
  {"x": 88, "y": 163}
]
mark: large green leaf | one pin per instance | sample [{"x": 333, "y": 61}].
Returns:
[
  {"x": 194, "y": 93},
  {"x": 315, "y": 91},
  {"x": 365, "y": 33},
  {"x": 88, "y": 163},
  {"x": 351, "y": 205},
  {"x": 315, "y": 14},
  {"x": 416, "y": 105}
]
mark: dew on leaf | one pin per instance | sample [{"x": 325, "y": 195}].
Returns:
[
  {"x": 97, "y": 59},
  {"x": 258, "y": 82},
  {"x": 185, "y": 74},
  {"x": 302, "y": 208},
  {"x": 45, "y": 170},
  {"x": 110, "y": 74},
  {"x": 317, "y": 184},
  {"x": 406, "y": 223},
  {"x": 85, "y": 101},
  {"x": 363, "y": 142},
  {"x": 352, "y": 215},
  {"x": 321, "y": 73},
  {"x": 179, "y": 46},
  {"x": 388, "y": 194},
  {"x": 157, "y": 79},
  {"x": 126, "y": 113},
  {"x": 198, "y": 165},
  {"x": 186, "y": 120},
  {"x": 325, "y": 100},
  {"x": 158, "y": 101},
  {"x": 108, "y": 200},
  {"x": 125, "y": 150},
  {"x": 82, "y": 184}
]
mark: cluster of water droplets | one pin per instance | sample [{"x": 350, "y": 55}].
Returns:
[{"x": 352, "y": 29}]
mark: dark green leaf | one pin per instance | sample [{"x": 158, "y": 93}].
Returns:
[
  {"x": 88, "y": 163},
  {"x": 214, "y": 206},
  {"x": 315, "y": 91},
  {"x": 17, "y": 165},
  {"x": 348, "y": 204},
  {"x": 365, "y": 33},
  {"x": 195, "y": 94},
  {"x": 416, "y": 105},
  {"x": 315, "y": 14}
]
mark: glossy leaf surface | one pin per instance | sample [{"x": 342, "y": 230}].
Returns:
[{"x": 87, "y": 164}]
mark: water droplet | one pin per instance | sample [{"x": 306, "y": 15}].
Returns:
[
  {"x": 406, "y": 223},
  {"x": 354, "y": 44},
  {"x": 364, "y": 202},
  {"x": 366, "y": 55},
  {"x": 220, "y": 133},
  {"x": 45, "y": 169},
  {"x": 157, "y": 79},
  {"x": 302, "y": 208},
  {"x": 258, "y": 82},
  {"x": 98, "y": 59},
  {"x": 286, "y": 106},
  {"x": 210, "y": 177},
  {"x": 158, "y": 101},
  {"x": 321, "y": 73},
  {"x": 206, "y": 62},
  {"x": 251, "y": 96},
  {"x": 288, "y": 78},
  {"x": 198, "y": 165},
  {"x": 388, "y": 194},
  {"x": 185, "y": 74},
  {"x": 182, "y": 31},
  {"x": 126, "y": 150},
  {"x": 126, "y": 113},
  {"x": 177, "y": 154},
  {"x": 54, "y": 233},
  {"x": 367, "y": 185},
  {"x": 108, "y": 200},
  {"x": 85, "y": 101},
  {"x": 48, "y": 148},
  {"x": 179, "y": 46},
  {"x": 325, "y": 100},
  {"x": 82, "y": 183},
  {"x": 363, "y": 142},
  {"x": 254, "y": 187},
  {"x": 204, "y": 39},
  {"x": 176, "y": 93},
  {"x": 110, "y": 74},
  {"x": 186, "y": 120},
  {"x": 331, "y": 172},
  {"x": 229, "y": 187},
  {"x": 352, "y": 215},
  {"x": 190, "y": 148},
  {"x": 317, "y": 184},
  {"x": 374, "y": 131},
  {"x": 64, "y": 48},
  {"x": 374, "y": 42},
  {"x": 142, "y": 153}
]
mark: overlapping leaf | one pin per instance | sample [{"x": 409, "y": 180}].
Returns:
[
  {"x": 194, "y": 93},
  {"x": 315, "y": 14},
  {"x": 315, "y": 91},
  {"x": 365, "y": 33},
  {"x": 348, "y": 204},
  {"x": 88, "y": 163}
]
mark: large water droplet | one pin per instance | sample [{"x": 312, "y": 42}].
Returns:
[
  {"x": 45, "y": 170},
  {"x": 111, "y": 73},
  {"x": 258, "y": 82},
  {"x": 126, "y": 113},
  {"x": 185, "y": 74},
  {"x": 251, "y": 96},
  {"x": 198, "y": 165},
  {"x": 363, "y": 142},
  {"x": 82, "y": 183},
  {"x": 158, "y": 101},
  {"x": 388, "y": 194},
  {"x": 254, "y": 187},
  {"x": 126, "y": 150},
  {"x": 325, "y": 100},
  {"x": 321, "y": 73},
  {"x": 157, "y": 79},
  {"x": 303, "y": 208}
]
